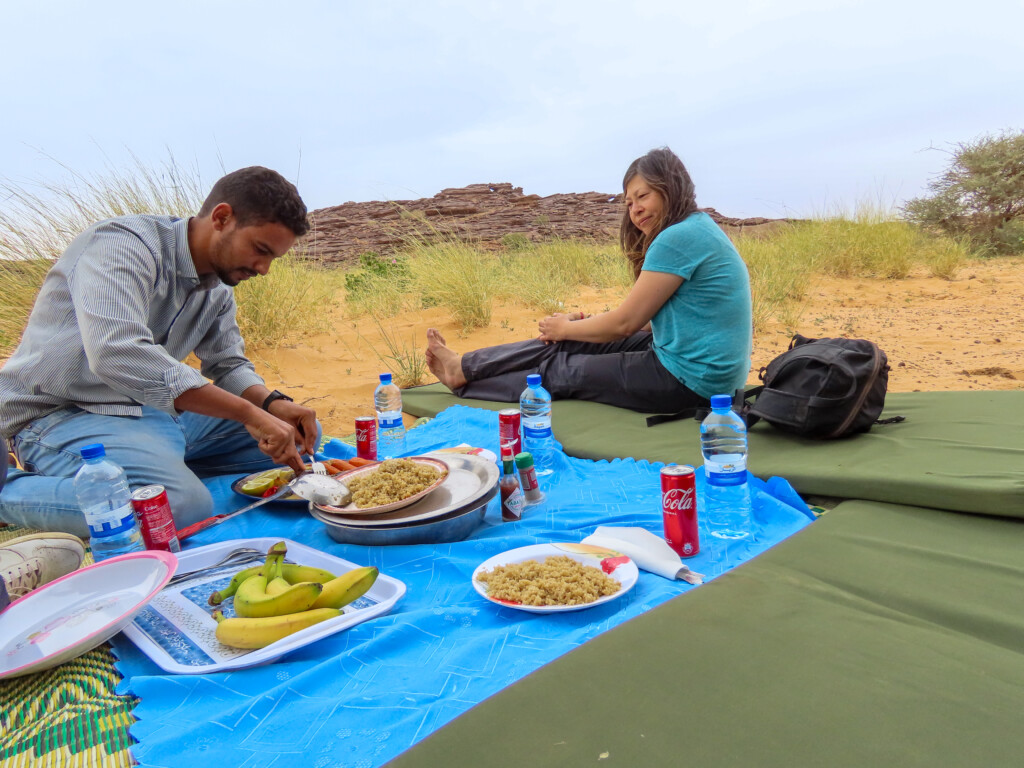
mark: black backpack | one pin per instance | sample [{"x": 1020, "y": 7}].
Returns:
[{"x": 823, "y": 388}]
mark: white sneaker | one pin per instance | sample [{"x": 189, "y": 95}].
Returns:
[{"x": 31, "y": 561}]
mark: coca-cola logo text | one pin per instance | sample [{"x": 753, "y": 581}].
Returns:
[{"x": 677, "y": 499}]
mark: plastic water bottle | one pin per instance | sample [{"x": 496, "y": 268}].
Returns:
[
  {"x": 105, "y": 499},
  {"x": 387, "y": 401},
  {"x": 723, "y": 441},
  {"x": 535, "y": 415}
]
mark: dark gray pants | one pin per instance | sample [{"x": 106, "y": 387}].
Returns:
[{"x": 624, "y": 373}]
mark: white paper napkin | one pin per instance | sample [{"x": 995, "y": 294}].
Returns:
[{"x": 648, "y": 551}]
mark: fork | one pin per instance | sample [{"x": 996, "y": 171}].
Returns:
[
  {"x": 238, "y": 556},
  {"x": 316, "y": 467}
]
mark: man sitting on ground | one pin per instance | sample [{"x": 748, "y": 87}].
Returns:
[{"x": 101, "y": 358}]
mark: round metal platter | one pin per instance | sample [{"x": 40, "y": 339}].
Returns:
[
  {"x": 469, "y": 479},
  {"x": 454, "y": 526}
]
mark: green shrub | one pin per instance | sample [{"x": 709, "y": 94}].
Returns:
[
  {"x": 866, "y": 243},
  {"x": 291, "y": 301},
  {"x": 373, "y": 266},
  {"x": 515, "y": 241},
  {"x": 403, "y": 358},
  {"x": 944, "y": 256},
  {"x": 452, "y": 274},
  {"x": 1008, "y": 238},
  {"x": 547, "y": 275},
  {"x": 20, "y": 280},
  {"x": 980, "y": 194},
  {"x": 378, "y": 286}
]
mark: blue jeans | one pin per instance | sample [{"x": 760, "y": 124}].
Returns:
[{"x": 174, "y": 452}]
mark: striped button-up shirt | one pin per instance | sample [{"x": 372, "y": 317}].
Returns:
[{"x": 117, "y": 313}]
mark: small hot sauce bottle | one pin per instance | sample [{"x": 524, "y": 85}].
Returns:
[{"x": 512, "y": 500}]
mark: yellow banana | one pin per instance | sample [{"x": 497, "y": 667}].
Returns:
[
  {"x": 216, "y": 598},
  {"x": 277, "y": 585},
  {"x": 296, "y": 574},
  {"x": 275, "y": 559},
  {"x": 259, "y": 632},
  {"x": 346, "y": 588},
  {"x": 275, "y": 556},
  {"x": 252, "y": 599}
]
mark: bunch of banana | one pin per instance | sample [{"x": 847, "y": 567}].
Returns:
[{"x": 275, "y": 599}]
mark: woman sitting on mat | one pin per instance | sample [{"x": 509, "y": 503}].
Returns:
[{"x": 681, "y": 335}]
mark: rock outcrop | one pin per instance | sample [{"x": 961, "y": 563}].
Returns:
[{"x": 480, "y": 213}]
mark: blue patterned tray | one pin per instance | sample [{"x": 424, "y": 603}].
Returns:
[{"x": 176, "y": 630}]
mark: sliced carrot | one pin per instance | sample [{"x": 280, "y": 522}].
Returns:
[
  {"x": 340, "y": 464},
  {"x": 331, "y": 469},
  {"x": 358, "y": 462}
]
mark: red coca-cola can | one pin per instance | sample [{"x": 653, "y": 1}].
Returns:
[
  {"x": 679, "y": 509},
  {"x": 154, "y": 513},
  {"x": 366, "y": 437},
  {"x": 509, "y": 437}
]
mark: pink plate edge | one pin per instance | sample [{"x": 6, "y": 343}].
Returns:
[{"x": 167, "y": 558}]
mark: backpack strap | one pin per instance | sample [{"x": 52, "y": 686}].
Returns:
[
  {"x": 891, "y": 420},
  {"x": 781, "y": 407}
]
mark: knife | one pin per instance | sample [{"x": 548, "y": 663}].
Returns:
[{"x": 209, "y": 522}]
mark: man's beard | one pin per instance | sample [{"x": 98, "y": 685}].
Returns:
[{"x": 231, "y": 277}]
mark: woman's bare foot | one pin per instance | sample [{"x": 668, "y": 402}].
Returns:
[{"x": 443, "y": 362}]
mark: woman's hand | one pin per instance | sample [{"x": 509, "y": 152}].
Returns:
[
  {"x": 649, "y": 293},
  {"x": 554, "y": 327}
]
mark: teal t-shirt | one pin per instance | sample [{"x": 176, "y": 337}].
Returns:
[{"x": 703, "y": 333}]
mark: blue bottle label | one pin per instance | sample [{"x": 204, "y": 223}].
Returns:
[
  {"x": 113, "y": 523},
  {"x": 390, "y": 423},
  {"x": 536, "y": 433}
]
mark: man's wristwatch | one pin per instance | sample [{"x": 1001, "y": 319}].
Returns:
[{"x": 275, "y": 395}]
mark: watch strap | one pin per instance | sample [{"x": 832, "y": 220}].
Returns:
[{"x": 275, "y": 395}]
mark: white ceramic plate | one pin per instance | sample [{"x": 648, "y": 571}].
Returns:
[
  {"x": 615, "y": 564},
  {"x": 351, "y": 510},
  {"x": 469, "y": 478},
  {"x": 465, "y": 449},
  {"x": 73, "y": 614},
  {"x": 177, "y": 629}
]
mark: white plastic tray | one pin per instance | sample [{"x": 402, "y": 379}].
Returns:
[{"x": 176, "y": 630}]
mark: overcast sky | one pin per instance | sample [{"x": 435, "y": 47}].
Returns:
[{"x": 778, "y": 107}]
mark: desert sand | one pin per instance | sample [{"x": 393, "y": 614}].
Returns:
[{"x": 961, "y": 334}]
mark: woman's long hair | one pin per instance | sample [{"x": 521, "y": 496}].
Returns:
[{"x": 664, "y": 172}]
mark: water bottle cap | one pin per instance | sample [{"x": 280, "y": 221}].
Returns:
[
  {"x": 721, "y": 401},
  {"x": 385, "y": 378},
  {"x": 93, "y": 451},
  {"x": 533, "y": 380}
]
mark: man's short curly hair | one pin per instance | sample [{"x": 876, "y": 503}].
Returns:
[{"x": 258, "y": 195}]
